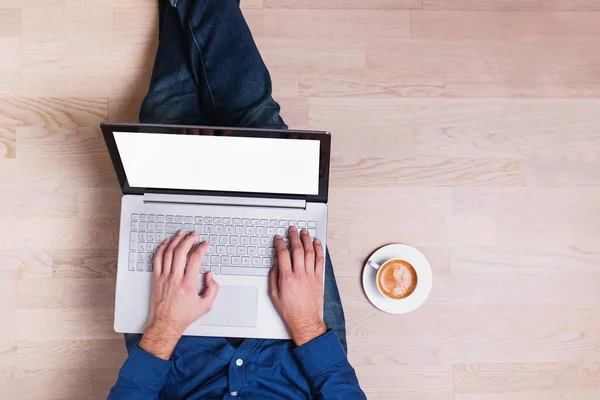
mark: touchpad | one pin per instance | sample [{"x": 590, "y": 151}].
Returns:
[{"x": 234, "y": 306}]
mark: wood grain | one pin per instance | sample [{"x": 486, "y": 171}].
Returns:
[
  {"x": 468, "y": 129},
  {"x": 513, "y": 5}
]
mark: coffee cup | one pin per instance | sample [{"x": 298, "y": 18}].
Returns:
[{"x": 396, "y": 278}]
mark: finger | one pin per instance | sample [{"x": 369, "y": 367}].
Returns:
[
  {"x": 193, "y": 268},
  {"x": 319, "y": 258},
  {"x": 210, "y": 293},
  {"x": 297, "y": 250},
  {"x": 168, "y": 259},
  {"x": 274, "y": 281},
  {"x": 309, "y": 252},
  {"x": 180, "y": 258},
  {"x": 158, "y": 258},
  {"x": 283, "y": 256}
]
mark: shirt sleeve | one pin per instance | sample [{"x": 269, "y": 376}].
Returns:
[
  {"x": 327, "y": 368},
  {"x": 142, "y": 376}
]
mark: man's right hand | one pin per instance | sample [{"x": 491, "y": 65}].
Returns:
[{"x": 296, "y": 285}]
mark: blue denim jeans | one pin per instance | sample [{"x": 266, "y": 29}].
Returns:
[{"x": 208, "y": 71}]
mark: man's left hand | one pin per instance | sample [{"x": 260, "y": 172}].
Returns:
[{"x": 175, "y": 300}]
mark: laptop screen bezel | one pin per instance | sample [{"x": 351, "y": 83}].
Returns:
[{"x": 108, "y": 130}]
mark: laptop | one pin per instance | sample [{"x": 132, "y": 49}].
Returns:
[{"x": 237, "y": 188}]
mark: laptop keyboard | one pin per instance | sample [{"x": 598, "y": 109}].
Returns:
[{"x": 237, "y": 246}]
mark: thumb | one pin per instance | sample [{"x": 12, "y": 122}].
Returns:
[
  {"x": 193, "y": 267},
  {"x": 212, "y": 288}
]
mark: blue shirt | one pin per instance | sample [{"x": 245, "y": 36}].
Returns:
[{"x": 210, "y": 368}]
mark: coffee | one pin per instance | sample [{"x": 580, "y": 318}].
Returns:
[{"x": 397, "y": 279}]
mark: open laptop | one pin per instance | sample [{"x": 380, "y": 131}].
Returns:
[{"x": 237, "y": 188}]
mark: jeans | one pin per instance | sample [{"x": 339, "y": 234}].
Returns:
[{"x": 208, "y": 71}]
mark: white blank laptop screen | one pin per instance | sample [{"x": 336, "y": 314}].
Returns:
[{"x": 232, "y": 164}]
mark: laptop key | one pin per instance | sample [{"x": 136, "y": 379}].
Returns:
[
  {"x": 223, "y": 239},
  {"x": 266, "y": 241},
  {"x": 221, "y": 250},
  {"x": 301, "y": 224},
  {"x": 152, "y": 218},
  {"x": 266, "y": 262},
  {"x": 199, "y": 228},
  {"x": 251, "y": 251},
  {"x": 247, "y": 261},
  {"x": 204, "y": 269},
  {"x": 219, "y": 229},
  {"x": 226, "y": 220},
  {"x": 215, "y": 259},
  {"x": 226, "y": 260},
  {"x": 241, "y": 250},
  {"x": 141, "y": 246},
  {"x": 213, "y": 239},
  {"x": 141, "y": 266},
  {"x": 134, "y": 226},
  {"x": 160, "y": 226},
  {"x": 234, "y": 240},
  {"x": 236, "y": 260},
  {"x": 152, "y": 226},
  {"x": 132, "y": 265},
  {"x": 135, "y": 217},
  {"x": 244, "y": 271},
  {"x": 188, "y": 227},
  {"x": 313, "y": 233},
  {"x": 254, "y": 240},
  {"x": 261, "y": 251},
  {"x": 143, "y": 217},
  {"x": 271, "y": 231},
  {"x": 229, "y": 229},
  {"x": 215, "y": 269},
  {"x": 256, "y": 261},
  {"x": 172, "y": 227},
  {"x": 160, "y": 218},
  {"x": 239, "y": 230},
  {"x": 274, "y": 222},
  {"x": 231, "y": 250},
  {"x": 179, "y": 218},
  {"x": 264, "y": 222},
  {"x": 133, "y": 241},
  {"x": 170, "y": 218},
  {"x": 143, "y": 226},
  {"x": 132, "y": 256},
  {"x": 188, "y": 219},
  {"x": 149, "y": 267},
  {"x": 261, "y": 230},
  {"x": 198, "y": 220}
]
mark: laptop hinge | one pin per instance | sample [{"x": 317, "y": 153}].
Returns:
[{"x": 224, "y": 201}]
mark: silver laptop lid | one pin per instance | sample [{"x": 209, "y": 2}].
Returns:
[{"x": 218, "y": 161}]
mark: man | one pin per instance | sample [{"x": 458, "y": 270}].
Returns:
[{"x": 208, "y": 71}]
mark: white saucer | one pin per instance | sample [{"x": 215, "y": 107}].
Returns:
[{"x": 424, "y": 282}]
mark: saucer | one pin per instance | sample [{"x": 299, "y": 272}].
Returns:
[{"x": 421, "y": 266}]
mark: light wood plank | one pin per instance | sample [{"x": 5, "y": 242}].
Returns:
[
  {"x": 10, "y": 21},
  {"x": 512, "y": 5},
  {"x": 507, "y": 378},
  {"x": 8, "y": 141},
  {"x": 345, "y": 4},
  {"x": 10, "y": 74}
]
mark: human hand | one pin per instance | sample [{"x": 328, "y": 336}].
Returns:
[
  {"x": 175, "y": 300},
  {"x": 296, "y": 285}
]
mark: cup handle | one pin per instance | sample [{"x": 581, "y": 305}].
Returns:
[{"x": 373, "y": 264}]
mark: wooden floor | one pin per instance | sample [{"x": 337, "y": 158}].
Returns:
[{"x": 468, "y": 128}]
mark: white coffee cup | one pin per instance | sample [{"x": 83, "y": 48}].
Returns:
[{"x": 409, "y": 271}]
